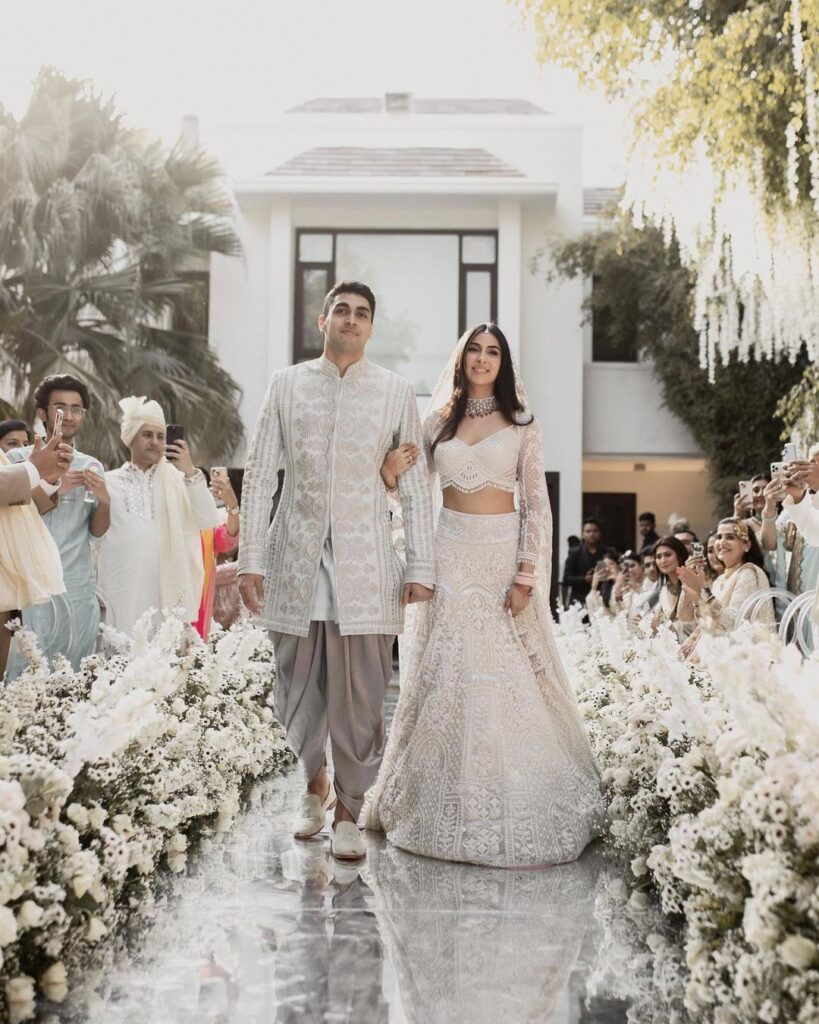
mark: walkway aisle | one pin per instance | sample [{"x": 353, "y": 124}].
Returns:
[{"x": 268, "y": 930}]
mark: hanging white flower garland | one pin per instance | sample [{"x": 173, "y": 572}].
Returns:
[{"x": 757, "y": 265}]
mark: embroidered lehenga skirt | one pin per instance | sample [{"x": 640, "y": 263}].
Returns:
[{"x": 487, "y": 760}]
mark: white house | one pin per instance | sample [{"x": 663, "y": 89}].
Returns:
[{"x": 442, "y": 206}]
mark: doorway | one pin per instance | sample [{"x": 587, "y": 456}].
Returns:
[{"x": 617, "y": 513}]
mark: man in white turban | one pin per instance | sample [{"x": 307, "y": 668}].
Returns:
[{"x": 151, "y": 555}]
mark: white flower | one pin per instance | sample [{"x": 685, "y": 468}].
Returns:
[
  {"x": 20, "y": 998},
  {"x": 12, "y": 797},
  {"x": 96, "y": 930},
  {"x": 80, "y": 884},
  {"x": 178, "y": 706},
  {"x": 798, "y": 952},
  {"x": 97, "y": 816},
  {"x": 122, "y": 825},
  {"x": 29, "y": 914},
  {"x": 639, "y": 867},
  {"x": 8, "y": 926},
  {"x": 77, "y": 815},
  {"x": 54, "y": 982},
  {"x": 177, "y": 862},
  {"x": 177, "y": 843},
  {"x": 210, "y": 702},
  {"x": 640, "y": 900}
]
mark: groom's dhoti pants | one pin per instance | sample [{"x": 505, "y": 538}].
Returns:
[{"x": 332, "y": 684}]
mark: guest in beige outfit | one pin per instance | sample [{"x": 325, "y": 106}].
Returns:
[{"x": 324, "y": 578}]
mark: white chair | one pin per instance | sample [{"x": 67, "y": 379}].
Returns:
[
  {"x": 753, "y": 604},
  {"x": 797, "y": 615}
]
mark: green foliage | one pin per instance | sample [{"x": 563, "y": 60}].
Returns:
[
  {"x": 718, "y": 73},
  {"x": 645, "y": 292},
  {"x": 105, "y": 239},
  {"x": 798, "y": 410}
]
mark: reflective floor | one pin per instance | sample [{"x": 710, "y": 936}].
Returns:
[{"x": 268, "y": 929}]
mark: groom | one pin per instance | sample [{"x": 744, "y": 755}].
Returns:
[{"x": 324, "y": 578}]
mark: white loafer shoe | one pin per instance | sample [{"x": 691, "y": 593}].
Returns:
[
  {"x": 346, "y": 842},
  {"x": 310, "y": 815}
]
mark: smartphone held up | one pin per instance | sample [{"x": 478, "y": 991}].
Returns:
[{"x": 173, "y": 432}]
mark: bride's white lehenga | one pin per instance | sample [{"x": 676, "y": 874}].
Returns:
[{"x": 487, "y": 761}]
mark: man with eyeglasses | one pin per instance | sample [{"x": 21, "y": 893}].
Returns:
[{"x": 70, "y": 623}]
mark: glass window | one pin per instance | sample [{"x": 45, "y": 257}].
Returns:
[
  {"x": 478, "y": 249},
  {"x": 478, "y": 297},
  {"x": 415, "y": 280},
  {"x": 314, "y": 287},
  {"x": 315, "y": 248}
]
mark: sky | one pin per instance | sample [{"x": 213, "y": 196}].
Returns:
[{"x": 246, "y": 62}]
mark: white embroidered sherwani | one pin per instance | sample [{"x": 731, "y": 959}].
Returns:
[{"x": 331, "y": 434}]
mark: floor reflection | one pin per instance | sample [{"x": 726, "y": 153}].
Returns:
[
  {"x": 480, "y": 944},
  {"x": 268, "y": 930}
]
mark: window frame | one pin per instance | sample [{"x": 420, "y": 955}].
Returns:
[{"x": 300, "y": 354}]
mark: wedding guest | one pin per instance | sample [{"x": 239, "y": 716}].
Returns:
[
  {"x": 30, "y": 568},
  {"x": 13, "y": 434},
  {"x": 648, "y": 563},
  {"x": 718, "y": 604},
  {"x": 581, "y": 561},
  {"x": 82, "y": 513},
  {"x": 631, "y": 583},
  {"x": 647, "y": 525},
  {"x": 799, "y": 479},
  {"x": 796, "y": 560},
  {"x": 758, "y": 484},
  {"x": 687, "y": 536},
  {"x": 151, "y": 557},
  {"x": 599, "y": 598},
  {"x": 713, "y": 567},
  {"x": 673, "y": 604},
  {"x": 220, "y": 540}
]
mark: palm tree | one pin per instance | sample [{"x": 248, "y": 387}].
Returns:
[{"x": 105, "y": 239}]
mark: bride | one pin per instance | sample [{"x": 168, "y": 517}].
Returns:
[{"x": 487, "y": 760}]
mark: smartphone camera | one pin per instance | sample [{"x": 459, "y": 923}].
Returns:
[
  {"x": 697, "y": 549},
  {"x": 174, "y": 432}
]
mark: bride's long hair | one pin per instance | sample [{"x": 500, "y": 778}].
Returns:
[{"x": 506, "y": 392}]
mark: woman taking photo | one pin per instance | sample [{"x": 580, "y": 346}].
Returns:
[
  {"x": 604, "y": 577},
  {"x": 718, "y": 603},
  {"x": 674, "y": 605},
  {"x": 488, "y": 760}
]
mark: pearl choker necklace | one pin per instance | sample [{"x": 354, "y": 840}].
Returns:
[{"x": 481, "y": 406}]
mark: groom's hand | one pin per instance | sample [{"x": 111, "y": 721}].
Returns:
[
  {"x": 251, "y": 588},
  {"x": 414, "y": 593}
]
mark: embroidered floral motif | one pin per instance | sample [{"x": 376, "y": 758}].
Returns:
[
  {"x": 332, "y": 434},
  {"x": 487, "y": 760}
]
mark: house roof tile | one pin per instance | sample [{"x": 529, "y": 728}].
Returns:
[{"x": 409, "y": 162}]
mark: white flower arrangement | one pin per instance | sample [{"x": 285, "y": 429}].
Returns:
[
  {"x": 108, "y": 777},
  {"x": 713, "y": 802}
]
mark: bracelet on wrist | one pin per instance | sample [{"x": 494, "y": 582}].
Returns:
[{"x": 233, "y": 511}]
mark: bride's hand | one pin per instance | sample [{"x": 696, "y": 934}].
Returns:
[
  {"x": 398, "y": 461},
  {"x": 517, "y": 599}
]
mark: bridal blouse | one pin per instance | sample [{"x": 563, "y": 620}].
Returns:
[{"x": 487, "y": 761}]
